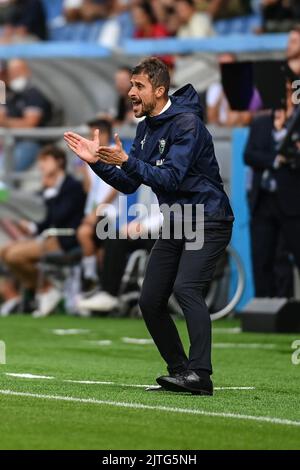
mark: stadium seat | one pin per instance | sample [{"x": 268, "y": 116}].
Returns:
[{"x": 78, "y": 31}]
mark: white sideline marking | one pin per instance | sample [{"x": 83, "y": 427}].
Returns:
[
  {"x": 71, "y": 331},
  {"x": 100, "y": 382},
  {"x": 89, "y": 382},
  {"x": 243, "y": 346},
  {"x": 29, "y": 376},
  {"x": 137, "y": 341},
  {"x": 236, "y": 330},
  {"x": 234, "y": 388},
  {"x": 141, "y": 406}
]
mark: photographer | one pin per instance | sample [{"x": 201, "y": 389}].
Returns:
[{"x": 274, "y": 195}]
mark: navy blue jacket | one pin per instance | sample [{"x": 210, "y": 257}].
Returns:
[
  {"x": 173, "y": 153},
  {"x": 66, "y": 210}
]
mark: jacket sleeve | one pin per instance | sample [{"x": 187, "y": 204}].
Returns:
[
  {"x": 117, "y": 177},
  {"x": 258, "y": 156},
  {"x": 190, "y": 136},
  {"x": 45, "y": 224}
]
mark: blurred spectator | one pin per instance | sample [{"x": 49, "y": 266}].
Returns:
[
  {"x": 116, "y": 252},
  {"x": 86, "y": 10},
  {"x": 9, "y": 294},
  {"x": 280, "y": 15},
  {"x": 24, "y": 20},
  {"x": 218, "y": 108},
  {"x": 146, "y": 23},
  {"x": 192, "y": 23},
  {"x": 26, "y": 107},
  {"x": 65, "y": 200},
  {"x": 124, "y": 113},
  {"x": 100, "y": 194},
  {"x": 165, "y": 13},
  {"x": 3, "y": 71}
]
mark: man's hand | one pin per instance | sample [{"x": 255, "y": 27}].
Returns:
[
  {"x": 3, "y": 116},
  {"x": 280, "y": 161},
  {"x": 279, "y": 119},
  {"x": 27, "y": 227},
  {"x": 113, "y": 155},
  {"x": 85, "y": 149}
]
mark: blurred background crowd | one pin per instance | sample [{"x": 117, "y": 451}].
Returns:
[{"x": 92, "y": 94}]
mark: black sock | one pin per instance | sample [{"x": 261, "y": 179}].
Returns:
[{"x": 177, "y": 370}]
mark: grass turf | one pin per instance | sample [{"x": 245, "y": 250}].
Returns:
[{"x": 35, "y": 423}]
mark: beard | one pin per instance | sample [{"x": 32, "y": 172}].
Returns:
[{"x": 293, "y": 55}]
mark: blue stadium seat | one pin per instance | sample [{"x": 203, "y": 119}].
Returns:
[
  {"x": 239, "y": 25},
  {"x": 127, "y": 26}
]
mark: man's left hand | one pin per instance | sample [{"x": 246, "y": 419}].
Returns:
[{"x": 113, "y": 155}]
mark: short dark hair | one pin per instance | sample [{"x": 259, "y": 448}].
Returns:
[
  {"x": 56, "y": 152},
  {"x": 148, "y": 10},
  {"x": 296, "y": 28},
  {"x": 102, "y": 124},
  {"x": 191, "y": 3},
  {"x": 156, "y": 70}
]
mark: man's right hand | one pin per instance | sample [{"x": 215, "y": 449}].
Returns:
[
  {"x": 279, "y": 119},
  {"x": 85, "y": 149}
]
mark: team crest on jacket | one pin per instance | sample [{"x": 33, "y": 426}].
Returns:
[{"x": 161, "y": 145}]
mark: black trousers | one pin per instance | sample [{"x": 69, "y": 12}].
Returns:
[
  {"x": 116, "y": 252},
  {"x": 172, "y": 267},
  {"x": 270, "y": 229}
]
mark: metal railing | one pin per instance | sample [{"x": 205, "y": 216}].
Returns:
[{"x": 9, "y": 137}]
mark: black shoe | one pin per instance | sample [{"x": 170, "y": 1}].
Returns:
[
  {"x": 89, "y": 287},
  {"x": 155, "y": 388},
  {"x": 189, "y": 381}
]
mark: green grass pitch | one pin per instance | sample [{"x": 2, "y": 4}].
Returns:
[{"x": 58, "y": 412}]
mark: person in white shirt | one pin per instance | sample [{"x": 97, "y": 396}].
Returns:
[
  {"x": 219, "y": 111},
  {"x": 99, "y": 194},
  {"x": 139, "y": 233}
]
